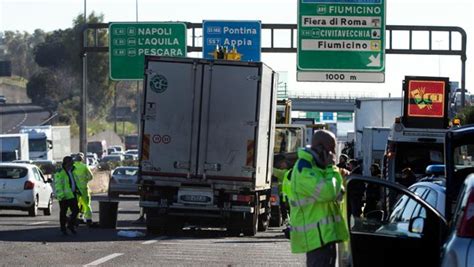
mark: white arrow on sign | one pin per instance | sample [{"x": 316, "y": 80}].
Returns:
[{"x": 374, "y": 61}]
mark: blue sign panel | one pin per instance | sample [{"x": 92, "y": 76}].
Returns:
[
  {"x": 245, "y": 36},
  {"x": 328, "y": 116}
]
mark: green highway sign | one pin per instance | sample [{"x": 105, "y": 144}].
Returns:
[
  {"x": 341, "y": 40},
  {"x": 130, "y": 42}
]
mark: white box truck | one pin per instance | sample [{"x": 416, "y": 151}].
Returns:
[
  {"x": 374, "y": 142},
  {"x": 47, "y": 142},
  {"x": 206, "y": 149},
  {"x": 14, "y": 147},
  {"x": 377, "y": 112}
]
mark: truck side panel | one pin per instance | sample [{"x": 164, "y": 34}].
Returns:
[
  {"x": 171, "y": 113},
  {"x": 229, "y": 121},
  {"x": 266, "y": 127},
  {"x": 61, "y": 142}
]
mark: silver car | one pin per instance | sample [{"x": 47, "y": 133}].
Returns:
[
  {"x": 123, "y": 181},
  {"x": 458, "y": 250}
]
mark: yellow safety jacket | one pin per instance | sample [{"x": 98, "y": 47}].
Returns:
[
  {"x": 316, "y": 216},
  {"x": 84, "y": 176},
  {"x": 62, "y": 186}
]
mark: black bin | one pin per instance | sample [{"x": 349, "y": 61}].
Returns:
[{"x": 108, "y": 214}]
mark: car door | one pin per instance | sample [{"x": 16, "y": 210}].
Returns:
[
  {"x": 403, "y": 230},
  {"x": 41, "y": 188}
]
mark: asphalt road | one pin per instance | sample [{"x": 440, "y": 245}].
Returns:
[
  {"x": 12, "y": 116},
  {"x": 37, "y": 241}
]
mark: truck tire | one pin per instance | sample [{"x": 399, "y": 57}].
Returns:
[
  {"x": 234, "y": 224},
  {"x": 264, "y": 219},
  {"x": 172, "y": 225},
  {"x": 250, "y": 224},
  {"x": 153, "y": 223},
  {"x": 276, "y": 219}
]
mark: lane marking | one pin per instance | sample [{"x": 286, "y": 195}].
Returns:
[
  {"x": 154, "y": 240},
  {"x": 104, "y": 259},
  {"x": 38, "y": 223}
]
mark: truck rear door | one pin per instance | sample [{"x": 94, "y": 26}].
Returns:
[
  {"x": 229, "y": 122},
  {"x": 171, "y": 113}
]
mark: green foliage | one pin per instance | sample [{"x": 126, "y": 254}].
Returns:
[
  {"x": 466, "y": 115},
  {"x": 20, "y": 46}
]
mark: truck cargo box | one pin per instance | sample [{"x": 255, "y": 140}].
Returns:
[
  {"x": 207, "y": 143},
  {"x": 208, "y": 120}
]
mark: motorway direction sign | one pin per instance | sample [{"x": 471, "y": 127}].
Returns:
[
  {"x": 130, "y": 42},
  {"x": 341, "y": 40},
  {"x": 245, "y": 36}
]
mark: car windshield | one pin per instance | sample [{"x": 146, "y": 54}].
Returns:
[
  {"x": 37, "y": 145},
  {"x": 463, "y": 157},
  {"x": 287, "y": 140},
  {"x": 417, "y": 156},
  {"x": 127, "y": 172},
  {"x": 7, "y": 172}
]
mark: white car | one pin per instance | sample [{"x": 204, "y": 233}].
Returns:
[
  {"x": 24, "y": 187},
  {"x": 123, "y": 181}
]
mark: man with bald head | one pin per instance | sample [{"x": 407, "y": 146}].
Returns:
[{"x": 317, "y": 223}]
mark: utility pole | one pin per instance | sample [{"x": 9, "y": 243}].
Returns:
[{"x": 83, "y": 128}]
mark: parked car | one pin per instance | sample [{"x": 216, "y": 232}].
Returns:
[
  {"x": 118, "y": 148},
  {"x": 112, "y": 158},
  {"x": 3, "y": 99},
  {"x": 130, "y": 157},
  {"x": 123, "y": 180},
  {"x": 24, "y": 187},
  {"x": 111, "y": 150},
  {"x": 132, "y": 151},
  {"x": 458, "y": 251}
]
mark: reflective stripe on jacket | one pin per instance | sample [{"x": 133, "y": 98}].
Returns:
[{"x": 316, "y": 216}]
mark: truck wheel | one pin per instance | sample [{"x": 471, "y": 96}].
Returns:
[
  {"x": 234, "y": 224},
  {"x": 153, "y": 223},
  {"x": 264, "y": 219},
  {"x": 276, "y": 219},
  {"x": 172, "y": 225},
  {"x": 251, "y": 224}
]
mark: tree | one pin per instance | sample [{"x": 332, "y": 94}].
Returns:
[{"x": 466, "y": 115}]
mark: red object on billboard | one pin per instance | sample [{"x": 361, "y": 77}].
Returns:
[{"x": 426, "y": 98}]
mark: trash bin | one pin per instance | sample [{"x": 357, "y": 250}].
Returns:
[{"x": 108, "y": 214}]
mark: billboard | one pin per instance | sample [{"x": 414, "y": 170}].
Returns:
[{"x": 426, "y": 102}]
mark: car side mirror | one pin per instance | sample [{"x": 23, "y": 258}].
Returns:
[{"x": 416, "y": 225}]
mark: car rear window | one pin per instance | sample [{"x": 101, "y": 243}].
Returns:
[{"x": 12, "y": 172}]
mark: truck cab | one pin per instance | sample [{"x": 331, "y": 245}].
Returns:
[
  {"x": 39, "y": 141},
  {"x": 413, "y": 148}
]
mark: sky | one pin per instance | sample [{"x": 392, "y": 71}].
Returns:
[{"x": 49, "y": 15}]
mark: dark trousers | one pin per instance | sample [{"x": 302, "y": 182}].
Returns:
[
  {"x": 322, "y": 257},
  {"x": 64, "y": 205}
]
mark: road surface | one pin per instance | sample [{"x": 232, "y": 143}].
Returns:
[{"x": 29, "y": 241}]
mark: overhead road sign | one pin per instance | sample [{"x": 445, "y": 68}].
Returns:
[
  {"x": 341, "y": 40},
  {"x": 244, "y": 36},
  {"x": 130, "y": 42}
]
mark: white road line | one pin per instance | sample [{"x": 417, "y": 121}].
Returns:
[
  {"x": 104, "y": 259},
  {"x": 154, "y": 240},
  {"x": 37, "y": 223}
]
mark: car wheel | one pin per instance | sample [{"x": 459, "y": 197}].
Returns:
[
  {"x": 33, "y": 210},
  {"x": 49, "y": 209}
]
